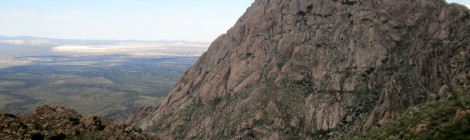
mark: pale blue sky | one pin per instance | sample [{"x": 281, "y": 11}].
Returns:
[
  {"x": 194, "y": 20},
  {"x": 459, "y": 1}
]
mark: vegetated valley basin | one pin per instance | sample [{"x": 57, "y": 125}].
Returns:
[{"x": 105, "y": 78}]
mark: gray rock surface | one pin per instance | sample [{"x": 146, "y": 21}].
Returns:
[{"x": 296, "y": 69}]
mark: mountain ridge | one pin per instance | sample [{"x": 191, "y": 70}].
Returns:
[{"x": 317, "y": 69}]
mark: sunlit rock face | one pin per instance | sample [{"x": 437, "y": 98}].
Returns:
[{"x": 317, "y": 69}]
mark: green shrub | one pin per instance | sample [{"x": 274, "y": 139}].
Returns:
[
  {"x": 60, "y": 136},
  {"x": 74, "y": 121},
  {"x": 439, "y": 120}
]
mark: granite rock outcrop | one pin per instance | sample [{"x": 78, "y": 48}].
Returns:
[
  {"x": 318, "y": 69},
  {"x": 61, "y": 122}
]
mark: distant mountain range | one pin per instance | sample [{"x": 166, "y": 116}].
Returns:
[{"x": 94, "y": 42}]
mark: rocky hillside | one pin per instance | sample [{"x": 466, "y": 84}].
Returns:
[
  {"x": 319, "y": 69},
  {"x": 448, "y": 119},
  {"x": 60, "y": 122}
]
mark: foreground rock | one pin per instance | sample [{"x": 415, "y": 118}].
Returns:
[
  {"x": 60, "y": 122},
  {"x": 318, "y": 69}
]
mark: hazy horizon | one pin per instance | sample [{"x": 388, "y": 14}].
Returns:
[
  {"x": 202, "y": 20},
  {"x": 199, "y": 21}
]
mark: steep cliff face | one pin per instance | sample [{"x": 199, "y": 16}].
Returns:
[{"x": 318, "y": 69}]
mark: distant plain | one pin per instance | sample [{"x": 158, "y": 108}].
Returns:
[{"x": 111, "y": 83}]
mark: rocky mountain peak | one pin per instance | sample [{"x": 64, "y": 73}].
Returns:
[{"x": 318, "y": 69}]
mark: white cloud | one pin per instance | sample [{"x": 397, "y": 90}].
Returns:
[{"x": 468, "y": 5}]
